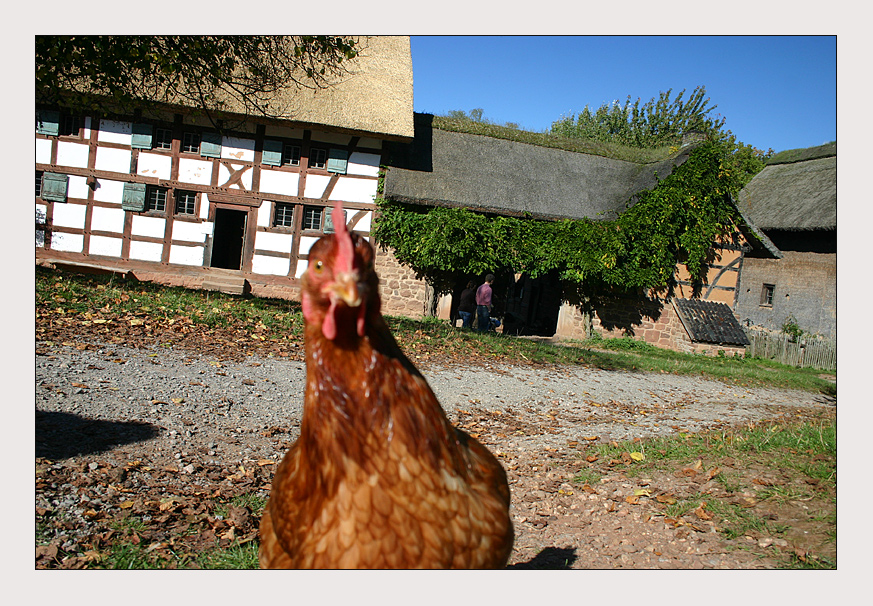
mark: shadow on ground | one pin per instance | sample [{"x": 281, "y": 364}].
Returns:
[
  {"x": 550, "y": 558},
  {"x": 61, "y": 435}
]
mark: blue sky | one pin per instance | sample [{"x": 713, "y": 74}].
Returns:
[{"x": 775, "y": 92}]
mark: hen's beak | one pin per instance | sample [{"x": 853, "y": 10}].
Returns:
[{"x": 345, "y": 287}]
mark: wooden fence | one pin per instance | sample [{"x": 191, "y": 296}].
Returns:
[{"x": 809, "y": 352}]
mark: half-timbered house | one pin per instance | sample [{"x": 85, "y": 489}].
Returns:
[{"x": 170, "y": 198}]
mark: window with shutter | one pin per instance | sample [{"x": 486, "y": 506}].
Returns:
[
  {"x": 272, "y": 153},
  {"x": 142, "y": 136},
  {"x": 210, "y": 145},
  {"x": 134, "y": 197},
  {"x": 48, "y": 122},
  {"x": 54, "y": 187},
  {"x": 328, "y": 220},
  {"x": 338, "y": 161}
]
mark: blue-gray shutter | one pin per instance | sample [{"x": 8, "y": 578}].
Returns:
[
  {"x": 337, "y": 161},
  {"x": 142, "y": 136},
  {"x": 210, "y": 145},
  {"x": 54, "y": 187},
  {"x": 272, "y": 153},
  {"x": 48, "y": 122},
  {"x": 328, "y": 220},
  {"x": 134, "y": 197}
]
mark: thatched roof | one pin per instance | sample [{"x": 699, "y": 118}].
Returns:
[
  {"x": 800, "y": 195},
  {"x": 374, "y": 97},
  {"x": 441, "y": 168}
]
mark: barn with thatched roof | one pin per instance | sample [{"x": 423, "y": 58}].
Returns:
[
  {"x": 793, "y": 201},
  {"x": 500, "y": 176}
]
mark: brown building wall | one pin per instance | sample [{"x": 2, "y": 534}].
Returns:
[{"x": 805, "y": 287}]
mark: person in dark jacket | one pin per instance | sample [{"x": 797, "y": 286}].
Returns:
[{"x": 467, "y": 304}]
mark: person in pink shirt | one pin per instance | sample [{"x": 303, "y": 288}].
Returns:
[{"x": 483, "y": 304}]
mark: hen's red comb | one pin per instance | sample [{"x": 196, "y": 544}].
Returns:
[{"x": 345, "y": 255}]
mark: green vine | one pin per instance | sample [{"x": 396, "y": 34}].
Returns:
[{"x": 676, "y": 222}]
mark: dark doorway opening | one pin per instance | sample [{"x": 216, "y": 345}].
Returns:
[{"x": 228, "y": 238}]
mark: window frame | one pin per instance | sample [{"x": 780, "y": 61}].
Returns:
[
  {"x": 768, "y": 294},
  {"x": 158, "y": 141},
  {"x": 39, "y": 183},
  {"x": 67, "y": 121},
  {"x": 311, "y": 163},
  {"x": 184, "y": 145},
  {"x": 180, "y": 196},
  {"x": 303, "y": 220},
  {"x": 288, "y": 158},
  {"x": 149, "y": 202},
  {"x": 287, "y": 213}
]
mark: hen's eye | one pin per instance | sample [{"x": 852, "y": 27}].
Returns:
[{"x": 319, "y": 266}]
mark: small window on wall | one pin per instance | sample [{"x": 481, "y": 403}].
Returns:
[
  {"x": 163, "y": 138},
  {"x": 70, "y": 125},
  {"x": 317, "y": 158},
  {"x": 186, "y": 202},
  {"x": 767, "y": 295},
  {"x": 38, "y": 183},
  {"x": 291, "y": 155},
  {"x": 191, "y": 143},
  {"x": 156, "y": 198},
  {"x": 312, "y": 216},
  {"x": 284, "y": 215}
]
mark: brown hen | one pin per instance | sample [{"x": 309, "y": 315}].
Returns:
[{"x": 379, "y": 478}]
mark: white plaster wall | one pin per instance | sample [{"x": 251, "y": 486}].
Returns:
[
  {"x": 354, "y": 190},
  {"x": 40, "y": 238},
  {"x": 270, "y": 265},
  {"x": 146, "y": 251},
  {"x": 107, "y": 219},
  {"x": 111, "y": 159},
  {"x": 114, "y": 131},
  {"x": 204, "y": 206},
  {"x": 336, "y": 138},
  {"x": 148, "y": 226},
  {"x": 69, "y": 215},
  {"x": 195, "y": 171},
  {"x": 306, "y": 243},
  {"x": 278, "y": 182},
  {"x": 107, "y": 247},
  {"x": 245, "y": 181},
  {"x": 109, "y": 191},
  {"x": 72, "y": 154},
  {"x": 238, "y": 149},
  {"x": 44, "y": 151},
  {"x": 364, "y": 164},
  {"x": 188, "y": 232},
  {"x": 77, "y": 187},
  {"x": 154, "y": 165},
  {"x": 365, "y": 222},
  {"x": 68, "y": 242},
  {"x": 315, "y": 186},
  {"x": 265, "y": 240},
  {"x": 302, "y": 264},
  {"x": 264, "y": 213},
  {"x": 186, "y": 255}
]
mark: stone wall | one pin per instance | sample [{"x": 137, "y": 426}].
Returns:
[
  {"x": 402, "y": 293},
  {"x": 805, "y": 287}
]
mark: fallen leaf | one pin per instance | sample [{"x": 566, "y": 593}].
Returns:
[
  {"x": 263, "y": 462},
  {"x": 701, "y": 512},
  {"x": 591, "y": 458},
  {"x": 637, "y": 456},
  {"x": 642, "y": 492},
  {"x": 665, "y": 498},
  {"x": 125, "y": 504},
  {"x": 632, "y": 499}
]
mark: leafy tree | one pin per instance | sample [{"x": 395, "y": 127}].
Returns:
[{"x": 115, "y": 73}]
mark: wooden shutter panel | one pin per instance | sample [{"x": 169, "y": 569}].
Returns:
[
  {"x": 328, "y": 220},
  {"x": 142, "y": 136},
  {"x": 48, "y": 122},
  {"x": 272, "y": 153},
  {"x": 54, "y": 187},
  {"x": 337, "y": 161},
  {"x": 210, "y": 145},
  {"x": 134, "y": 197}
]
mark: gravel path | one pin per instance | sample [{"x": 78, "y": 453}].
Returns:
[{"x": 172, "y": 407}]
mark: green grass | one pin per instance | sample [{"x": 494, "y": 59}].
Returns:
[{"x": 86, "y": 298}]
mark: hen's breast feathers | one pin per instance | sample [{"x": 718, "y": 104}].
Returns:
[{"x": 384, "y": 480}]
